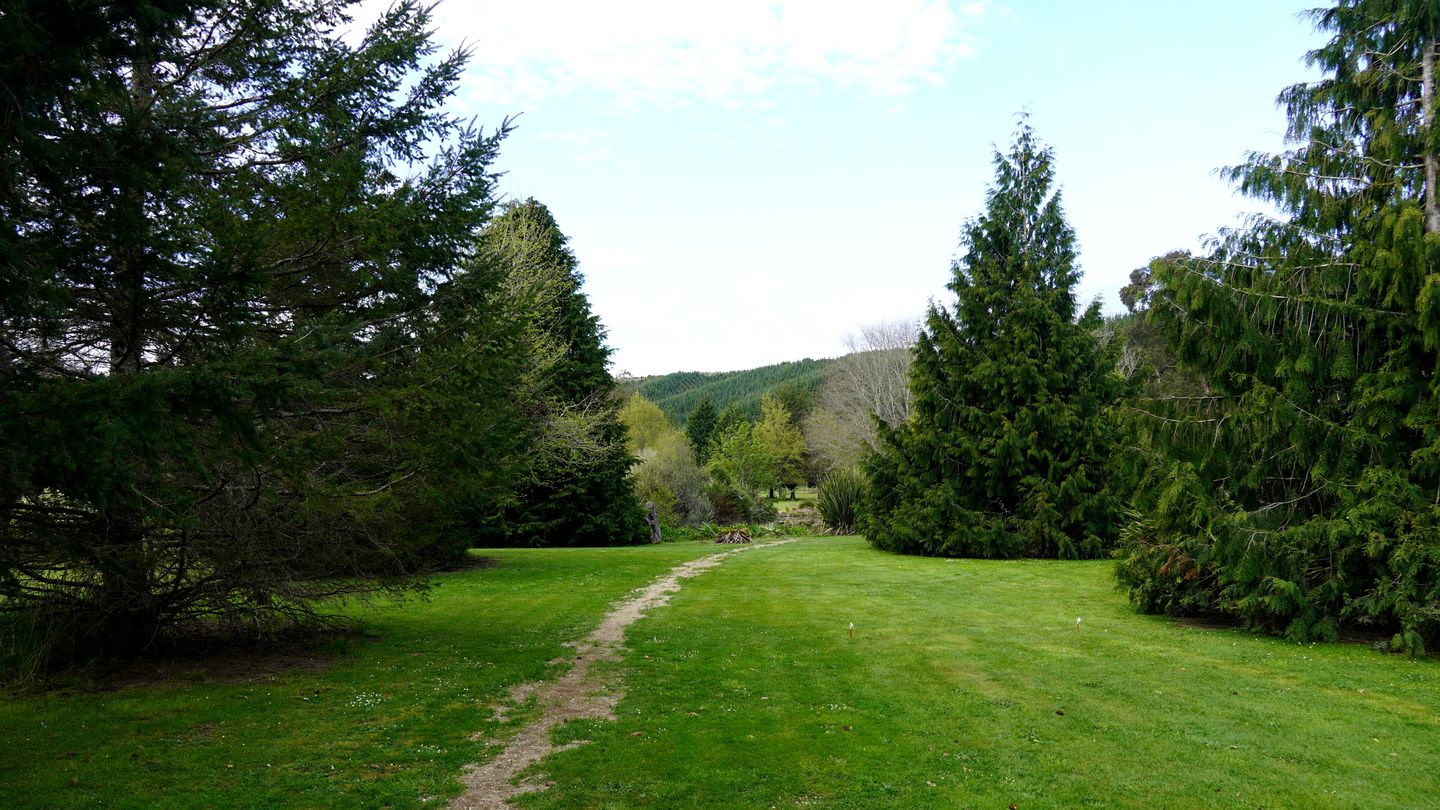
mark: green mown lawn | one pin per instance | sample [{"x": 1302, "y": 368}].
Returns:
[
  {"x": 803, "y": 496},
  {"x": 966, "y": 684},
  {"x": 386, "y": 724}
]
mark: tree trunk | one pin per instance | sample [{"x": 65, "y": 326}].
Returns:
[
  {"x": 1427, "y": 101},
  {"x": 653, "y": 521},
  {"x": 128, "y": 304},
  {"x": 126, "y": 601}
]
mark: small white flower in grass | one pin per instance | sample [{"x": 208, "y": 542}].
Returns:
[{"x": 365, "y": 700}]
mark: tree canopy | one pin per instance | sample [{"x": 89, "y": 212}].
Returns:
[
  {"x": 259, "y": 348},
  {"x": 782, "y": 442}
]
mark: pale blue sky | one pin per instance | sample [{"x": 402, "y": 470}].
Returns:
[{"x": 747, "y": 182}]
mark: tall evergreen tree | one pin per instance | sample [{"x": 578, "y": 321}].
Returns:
[
  {"x": 456, "y": 412},
  {"x": 1302, "y": 495},
  {"x": 700, "y": 427},
  {"x": 220, "y": 223},
  {"x": 577, "y": 491},
  {"x": 1005, "y": 453}
]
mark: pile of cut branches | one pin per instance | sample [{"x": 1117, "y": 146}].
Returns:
[{"x": 734, "y": 534}]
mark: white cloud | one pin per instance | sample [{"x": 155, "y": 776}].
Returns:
[
  {"x": 591, "y": 144},
  {"x": 666, "y": 51}
]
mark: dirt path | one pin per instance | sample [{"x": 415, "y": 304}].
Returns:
[{"x": 577, "y": 695}]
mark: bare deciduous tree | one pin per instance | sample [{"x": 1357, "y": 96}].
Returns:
[{"x": 872, "y": 380}]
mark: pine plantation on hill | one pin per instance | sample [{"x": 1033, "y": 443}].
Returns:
[{"x": 677, "y": 393}]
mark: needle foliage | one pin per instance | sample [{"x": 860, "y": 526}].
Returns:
[
  {"x": 1301, "y": 493},
  {"x": 237, "y": 348},
  {"x": 1006, "y": 449}
]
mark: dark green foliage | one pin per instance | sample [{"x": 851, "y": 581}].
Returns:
[
  {"x": 461, "y": 409},
  {"x": 1300, "y": 496},
  {"x": 732, "y": 417},
  {"x": 677, "y": 394},
  {"x": 576, "y": 490},
  {"x": 700, "y": 428},
  {"x": 798, "y": 397},
  {"x": 1136, "y": 295},
  {"x": 1148, "y": 363},
  {"x": 220, "y": 229},
  {"x": 840, "y": 499},
  {"x": 1007, "y": 451}
]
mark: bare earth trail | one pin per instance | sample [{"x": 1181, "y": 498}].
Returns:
[{"x": 577, "y": 695}]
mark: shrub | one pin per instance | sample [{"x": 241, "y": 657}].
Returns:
[
  {"x": 839, "y": 500},
  {"x": 668, "y": 476}
]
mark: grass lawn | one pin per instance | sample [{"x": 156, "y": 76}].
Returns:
[
  {"x": 385, "y": 724},
  {"x": 803, "y": 495},
  {"x": 966, "y": 685}
]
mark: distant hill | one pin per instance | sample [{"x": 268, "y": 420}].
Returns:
[{"x": 677, "y": 393}]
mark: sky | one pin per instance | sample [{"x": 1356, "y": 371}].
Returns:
[{"x": 747, "y": 182}]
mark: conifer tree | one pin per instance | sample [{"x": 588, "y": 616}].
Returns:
[
  {"x": 700, "y": 427},
  {"x": 220, "y": 226},
  {"x": 1005, "y": 453},
  {"x": 459, "y": 414},
  {"x": 577, "y": 490},
  {"x": 1302, "y": 495}
]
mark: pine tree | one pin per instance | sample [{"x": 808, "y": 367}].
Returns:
[
  {"x": 700, "y": 427},
  {"x": 1005, "y": 454},
  {"x": 221, "y": 224},
  {"x": 1302, "y": 495},
  {"x": 458, "y": 413},
  {"x": 577, "y": 490}
]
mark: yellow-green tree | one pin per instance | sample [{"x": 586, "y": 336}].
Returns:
[
  {"x": 782, "y": 443},
  {"x": 646, "y": 426},
  {"x": 665, "y": 472}
]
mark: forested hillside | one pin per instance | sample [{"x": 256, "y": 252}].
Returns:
[{"x": 677, "y": 393}]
